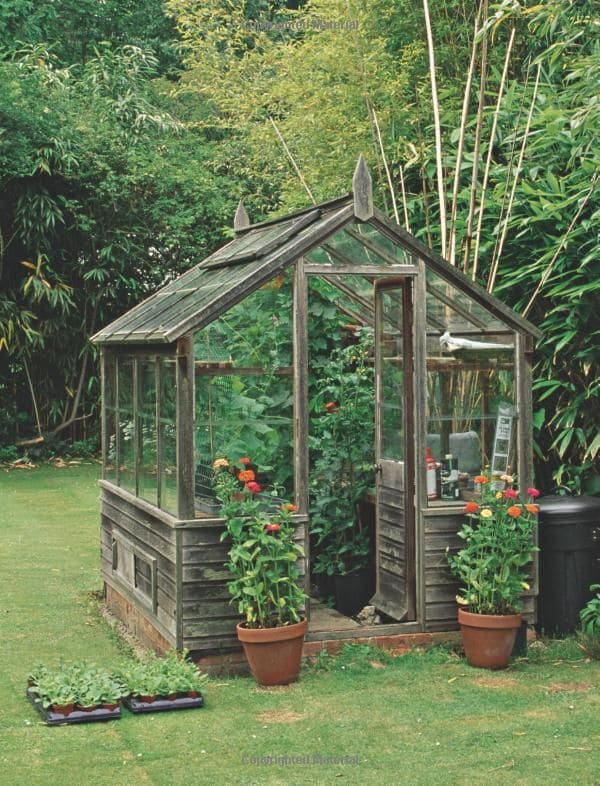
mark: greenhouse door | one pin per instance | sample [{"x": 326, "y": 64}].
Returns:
[{"x": 394, "y": 450}]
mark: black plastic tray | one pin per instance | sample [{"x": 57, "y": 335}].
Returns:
[
  {"x": 163, "y": 705},
  {"x": 77, "y": 716}
]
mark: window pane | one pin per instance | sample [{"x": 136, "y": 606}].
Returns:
[
  {"x": 392, "y": 377},
  {"x": 109, "y": 403},
  {"x": 240, "y": 416},
  {"x": 359, "y": 244},
  {"x": 126, "y": 425},
  {"x": 167, "y": 423},
  {"x": 470, "y": 412},
  {"x": 147, "y": 471}
]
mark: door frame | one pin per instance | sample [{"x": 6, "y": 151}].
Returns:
[{"x": 406, "y": 284}]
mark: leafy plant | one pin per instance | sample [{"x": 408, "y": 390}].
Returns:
[
  {"x": 154, "y": 676},
  {"x": 498, "y": 547},
  {"x": 263, "y": 558},
  {"x": 342, "y": 443},
  {"x": 81, "y": 683},
  {"x": 589, "y": 636}
]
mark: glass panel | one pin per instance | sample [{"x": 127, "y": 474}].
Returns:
[
  {"x": 241, "y": 416},
  {"x": 244, "y": 391},
  {"x": 109, "y": 403},
  {"x": 359, "y": 244},
  {"x": 147, "y": 470},
  {"x": 168, "y": 440},
  {"x": 257, "y": 333},
  {"x": 126, "y": 424},
  {"x": 392, "y": 376},
  {"x": 452, "y": 308},
  {"x": 471, "y": 419}
]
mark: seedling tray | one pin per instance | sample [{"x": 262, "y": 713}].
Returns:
[
  {"x": 77, "y": 716},
  {"x": 163, "y": 705}
]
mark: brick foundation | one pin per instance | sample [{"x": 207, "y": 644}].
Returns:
[{"x": 135, "y": 621}]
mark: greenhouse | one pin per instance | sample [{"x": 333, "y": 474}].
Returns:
[{"x": 360, "y": 377}]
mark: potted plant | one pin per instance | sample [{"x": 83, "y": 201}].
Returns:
[
  {"x": 589, "y": 635},
  {"x": 491, "y": 567},
  {"x": 264, "y": 566},
  {"x": 342, "y": 444},
  {"x": 162, "y": 681},
  {"x": 77, "y": 687}
]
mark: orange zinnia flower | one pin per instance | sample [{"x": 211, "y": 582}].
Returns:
[
  {"x": 246, "y": 474},
  {"x": 480, "y": 479},
  {"x": 471, "y": 507},
  {"x": 531, "y": 508},
  {"x": 291, "y": 508},
  {"x": 514, "y": 511}
]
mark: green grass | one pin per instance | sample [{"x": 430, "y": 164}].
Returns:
[{"x": 425, "y": 718}]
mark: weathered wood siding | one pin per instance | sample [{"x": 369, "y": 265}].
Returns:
[
  {"x": 136, "y": 543},
  {"x": 208, "y": 619},
  {"x": 440, "y": 585}
]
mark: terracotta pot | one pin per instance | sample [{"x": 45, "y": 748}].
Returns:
[
  {"x": 273, "y": 654},
  {"x": 62, "y": 709},
  {"x": 488, "y": 638}
]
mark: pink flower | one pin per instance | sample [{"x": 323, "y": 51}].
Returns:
[
  {"x": 253, "y": 487},
  {"x": 510, "y": 494},
  {"x": 533, "y": 492}
]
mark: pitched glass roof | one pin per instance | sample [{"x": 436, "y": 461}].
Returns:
[{"x": 327, "y": 235}]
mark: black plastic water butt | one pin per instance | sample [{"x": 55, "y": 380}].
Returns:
[{"x": 569, "y": 539}]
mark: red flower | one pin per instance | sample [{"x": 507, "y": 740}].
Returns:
[
  {"x": 253, "y": 487},
  {"x": 480, "y": 479},
  {"x": 273, "y": 527},
  {"x": 533, "y": 492},
  {"x": 514, "y": 511},
  {"x": 245, "y": 475},
  {"x": 291, "y": 508},
  {"x": 471, "y": 507},
  {"x": 331, "y": 406},
  {"x": 510, "y": 494},
  {"x": 245, "y": 461},
  {"x": 532, "y": 508}
]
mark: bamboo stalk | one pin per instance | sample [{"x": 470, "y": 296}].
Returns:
[
  {"x": 33, "y": 398},
  {"x": 385, "y": 165},
  {"x": 562, "y": 244},
  {"x": 488, "y": 161},
  {"x": 496, "y": 262},
  {"x": 451, "y": 250},
  {"x": 293, "y": 162},
  {"x": 476, "y": 147},
  {"x": 436, "y": 126},
  {"x": 509, "y": 164},
  {"x": 404, "y": 205}
]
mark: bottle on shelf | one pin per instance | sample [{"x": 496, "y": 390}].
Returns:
[{"x": 432, "y": 473}]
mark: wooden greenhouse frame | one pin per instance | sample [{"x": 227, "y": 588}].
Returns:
[{"x": 162, "y": 558}]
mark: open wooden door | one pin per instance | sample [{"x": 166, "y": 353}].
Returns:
[{"x": 394, "y": 451}]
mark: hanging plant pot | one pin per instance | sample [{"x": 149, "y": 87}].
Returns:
[
  {"x": 488, "y": 638},
  {"x": 273, "y": 654}
]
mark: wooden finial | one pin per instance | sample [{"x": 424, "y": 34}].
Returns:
[
  {"x": 241, "y": 220},
  {"x": 362, "y": 188}
]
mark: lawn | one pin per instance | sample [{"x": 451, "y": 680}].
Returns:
[{"x": 424, "y": 718}]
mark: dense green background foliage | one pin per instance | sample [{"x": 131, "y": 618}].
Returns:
[{"x": 129, "y": 130}]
